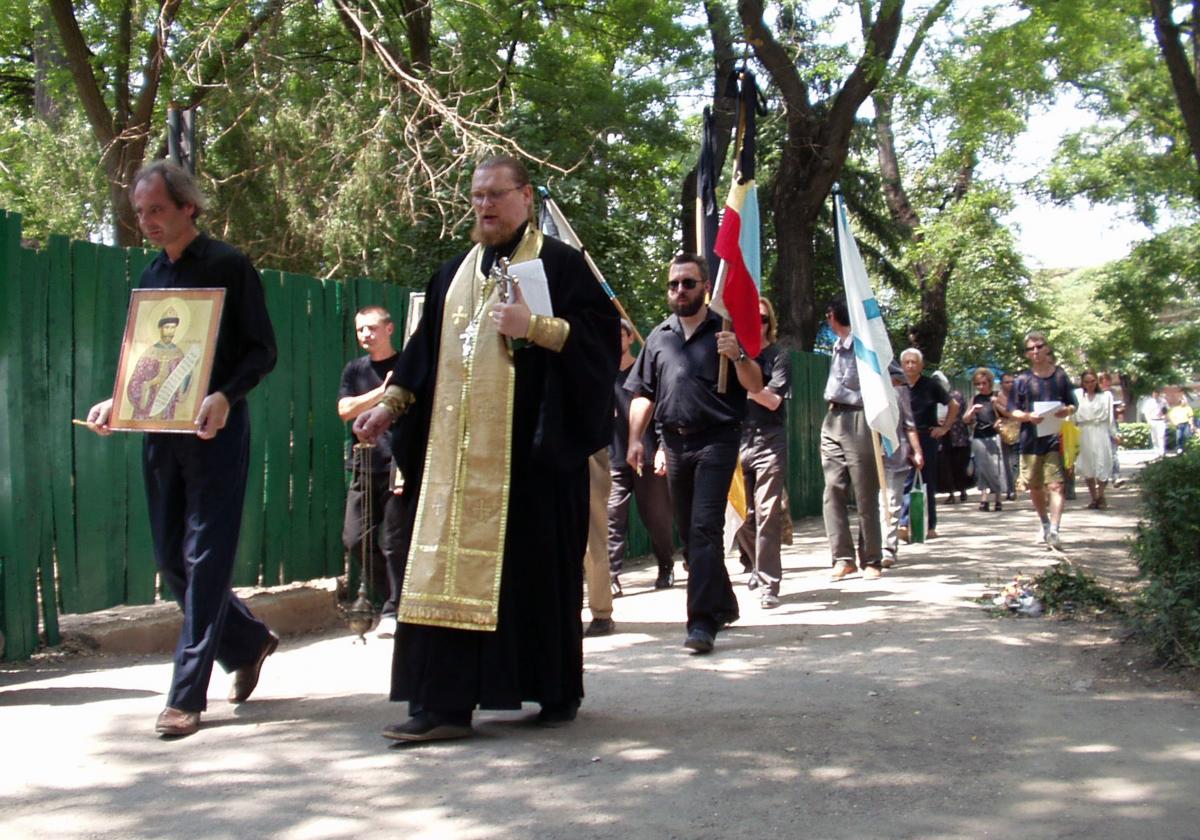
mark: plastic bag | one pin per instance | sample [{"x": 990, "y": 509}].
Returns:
[
  {"x": 916, "y": 509},
  {"x": 1069, "y": 438}
]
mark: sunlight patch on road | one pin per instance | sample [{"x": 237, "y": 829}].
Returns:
[
  {"x": 832, "y": 774},
  {"x": 1087, "y": 749},
  {"x": 1179, "y": 752},
  {"x": 1118, "y": 789},
  {"x": 641, "y": 754}
]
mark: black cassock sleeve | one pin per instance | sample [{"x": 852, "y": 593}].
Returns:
[{"x": 575, "y": 403}]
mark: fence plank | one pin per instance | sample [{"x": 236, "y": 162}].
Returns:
[
  {"x": 60, "y": 432},
  {"x": 37, "y": 524},
  {"x": 277, "y": 516},
  {"x": 63, "y": 407},
  {"x": 248, "y": 565},
  {"x": 298, "y": 564},
  {"x": 100, "y": 473},
  {"x": 140, "y": 567},
  {"x": 18, "y": 566},
  {"x": 328, "y": 498}
]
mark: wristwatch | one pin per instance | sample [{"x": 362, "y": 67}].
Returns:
[{"x": 741, "y": 355}]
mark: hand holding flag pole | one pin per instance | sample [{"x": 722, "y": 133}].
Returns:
[{"x": 735, "y": 293}]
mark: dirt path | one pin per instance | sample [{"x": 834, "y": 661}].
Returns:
[{"x": 892, "y": 708}]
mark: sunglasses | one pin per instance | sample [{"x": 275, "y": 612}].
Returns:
[
  {"x": 1032, "y": 347},
  {"x": 766, "y": 319},
  {"x": 688, "y": 283}
]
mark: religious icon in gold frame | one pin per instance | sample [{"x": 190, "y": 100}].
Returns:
[{"x": 166, "y": 359}]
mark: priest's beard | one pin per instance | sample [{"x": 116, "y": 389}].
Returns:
[
  {"x": 687, "y": 307},
  {"x": 492, "y": 238}
]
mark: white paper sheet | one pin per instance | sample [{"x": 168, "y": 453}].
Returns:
[
  {"x": 1050, "y": 424},
  {"x": 532, "y": 277}
]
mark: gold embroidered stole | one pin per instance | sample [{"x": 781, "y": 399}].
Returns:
[{"x": 454, "y": 562}]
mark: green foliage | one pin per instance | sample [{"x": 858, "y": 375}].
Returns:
[
  {"x": 1135, "y": 435},
  {"x": 51, "y": 176},
  {"x": 1139, "y": 152},
  {"x": 1167, "y": 552},
  {"x": 1066, "y": 589},
  {"x": 1151, "y": 302}
]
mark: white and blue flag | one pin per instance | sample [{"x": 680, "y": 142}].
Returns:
[{"x": 872, "y": 349}]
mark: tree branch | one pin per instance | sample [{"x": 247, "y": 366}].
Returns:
[
  {"x": 776, "y": 60},
  {"x": 1183, "y": 78},
  {"x": 77, "y": 54}
]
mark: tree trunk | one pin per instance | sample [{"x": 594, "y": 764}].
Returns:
[
  {"x": 795, "y": 267},
  {"x": 816, "y": 143},
  {"x": 1183, "y": 75},
  {"x": 724, "y": 110}
]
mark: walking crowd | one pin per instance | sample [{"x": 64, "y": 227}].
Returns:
[{"x": 504, "y": 441}]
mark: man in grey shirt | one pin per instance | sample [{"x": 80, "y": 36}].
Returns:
[{"x": 848, "y": 459}]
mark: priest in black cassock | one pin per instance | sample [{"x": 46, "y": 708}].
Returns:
[{"x": 498, "y": 409}]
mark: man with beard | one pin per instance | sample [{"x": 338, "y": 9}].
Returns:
[
  {"x": 500, "y": 409},
  {"x": 674, "y": 383}
]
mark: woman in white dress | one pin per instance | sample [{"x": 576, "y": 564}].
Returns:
[{"x": 1096, "y": 428}]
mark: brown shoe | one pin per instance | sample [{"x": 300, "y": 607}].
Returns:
[
  {"x": 841, "y": 570},
  {"x": 175, "y": 723},
  {"x": 871, "y": 573},
  {"x": 903, "y": 533},
  {"x": 245, "y": 679},
  {"x": 931, "y": 534}
]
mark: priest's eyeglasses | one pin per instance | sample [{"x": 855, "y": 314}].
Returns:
[
  {"x": 689, "y": 283},
  {"x": 481, "y": 198}
]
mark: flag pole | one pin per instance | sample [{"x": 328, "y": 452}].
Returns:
[
  {"x": 570, "y": 231},
  {"x": 726, "y": 324},
  {"x": 883, "y": 488}
]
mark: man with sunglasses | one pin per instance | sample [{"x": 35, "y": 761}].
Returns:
[
  {"x": 674, "y": 383},
  {"x": 1041, "y": 455}
]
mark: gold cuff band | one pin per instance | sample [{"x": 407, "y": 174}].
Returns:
[
  {"x": 548, "y": 331},
  {"x": 397, "y": 400}
]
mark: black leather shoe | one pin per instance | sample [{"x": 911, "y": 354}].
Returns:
[
  {"x": 558, "y": 714},
  {"x": 600, "y": 627},
  {"x": 665, "y": 580},
  {"x": 700, "y": 641},
  {"x": 245, "y": 679},
  {"x": 428, "y": 726}
]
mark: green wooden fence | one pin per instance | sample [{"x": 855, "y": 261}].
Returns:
[{"x": 74, "y": 531}]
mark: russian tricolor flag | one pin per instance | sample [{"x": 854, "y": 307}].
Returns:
[{"x": 736, "y": 293}]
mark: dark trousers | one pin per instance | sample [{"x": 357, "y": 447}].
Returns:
[
  {"x": 764, "y": 471},
  {"x": 699, "y": 469},
  {"x": 383, "y": 572},
  {"x": 195, "y": 489},
  {"x": 929, "y": 448},
  {"x": 654, "y": 507}
]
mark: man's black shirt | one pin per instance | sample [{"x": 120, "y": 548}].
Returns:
[
  {"x": 680, "y": 377},
  {"x": 358, "y": 377},
  {"x": 246, "y": 342},
  {"x": 926, "y": 395}
]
